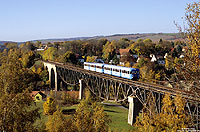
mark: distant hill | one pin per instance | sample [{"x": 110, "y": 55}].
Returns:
[
  {"x": 134, "y": 37},
  {"x": 152, "y": 36},
  {"x": 2, "y": 42}
]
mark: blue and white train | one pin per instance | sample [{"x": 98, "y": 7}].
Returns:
[{"x": 119, "y": 71}]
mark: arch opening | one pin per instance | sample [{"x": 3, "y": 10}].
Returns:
[{"x": 52, "y": 81}]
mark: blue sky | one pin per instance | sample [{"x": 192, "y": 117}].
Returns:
[{"x": 23, "y": 20}]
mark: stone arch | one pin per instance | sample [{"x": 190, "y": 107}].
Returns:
[{"x": 53, "y": 78}]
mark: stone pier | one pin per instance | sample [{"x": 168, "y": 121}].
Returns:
[
  {"x": 134, "y": 109},
  {"x": 81, "y": 89}
]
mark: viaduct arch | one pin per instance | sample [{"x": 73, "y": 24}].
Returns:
[{"x": 53, "y": 76}]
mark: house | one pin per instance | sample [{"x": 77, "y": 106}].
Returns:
[
  {"x": 153, "y": 58},
  {"x": 126, "y": 55},
  {"x": 160, "y": 59},
  {"x": 38, "y": 96},
  {"x": 44, "y": 47},
  {"x": 125, "y": 52}
]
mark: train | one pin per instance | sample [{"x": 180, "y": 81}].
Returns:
[{"x": 119, "y": 71}]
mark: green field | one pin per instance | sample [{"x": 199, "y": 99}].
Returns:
[{"x": 119, "y": 117}]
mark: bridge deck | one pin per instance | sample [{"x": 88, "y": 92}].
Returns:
[{"x": 147, "y": 86}]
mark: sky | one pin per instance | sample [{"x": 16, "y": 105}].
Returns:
[{"x": 25, "y": 20}]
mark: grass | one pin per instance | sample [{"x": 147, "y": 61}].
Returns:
[
  {"x": 40, "y": 123},
  {"x": 118, "y": 115}
]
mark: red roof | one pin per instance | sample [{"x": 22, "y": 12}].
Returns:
[
  {"x": 124, "y": 51},
  {"x": 35, "y": 92}
]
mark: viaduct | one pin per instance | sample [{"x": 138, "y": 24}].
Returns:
[{"x": 109, "y": 87}]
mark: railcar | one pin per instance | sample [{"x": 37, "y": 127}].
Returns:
[
  {"x": 87, "y": 65},
  {"x": 108, "y": 69},
  {"x": 119, "y": 71},
  {"x": 99, "y": 67}
]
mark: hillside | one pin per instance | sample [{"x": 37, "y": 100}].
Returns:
[
  {"x": 134, "y": 37},
  {"x": 152, "y": 36}
]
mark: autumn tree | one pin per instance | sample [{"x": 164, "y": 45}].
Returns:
[
  {"x": 28, "y": 59},
  {"x": 15, "y": 85},
  {"x": 171, "y": 118},
  {"x": 91, "y": 58},
  {"x": 70, "y": 57},
  {"x": 14, "y": 78},
  {"x": 50, "y": 54},
  {"x": 90, "y": 118},
  {"x": 109, "y": 50},
  {"x": 11, "y": 45},
  {"x": 187, "y": 73},
  {"x": 49, "y": 106},
  {"x": 58, "y": 122}
]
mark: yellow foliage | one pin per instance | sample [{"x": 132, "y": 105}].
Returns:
[
  {"x": 91, "y": 58},
  {"x": 49, "y": 106},
  {"x": 192, "y": 17},
  {"x": 127, "y": 64},
  {"x": 58, "y": 122},
  {"x": 90, "y": 118},
  {"x": 171, "y": 118}
]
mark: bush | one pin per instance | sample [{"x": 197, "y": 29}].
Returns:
[{"x": 49, "y": 106}]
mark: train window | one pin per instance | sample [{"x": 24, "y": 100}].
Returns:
[
  {"x": 124, "y": 71},
  {"x": 116, "y": 70},
  {"x": 99, "y": 67},
  {"x": 107, "y": 68}
]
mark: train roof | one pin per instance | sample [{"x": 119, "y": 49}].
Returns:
[
  {"x": 120, "y": 67},
  {"x": 112, "y": 66},
  {"x": 91, "y": 63}
]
